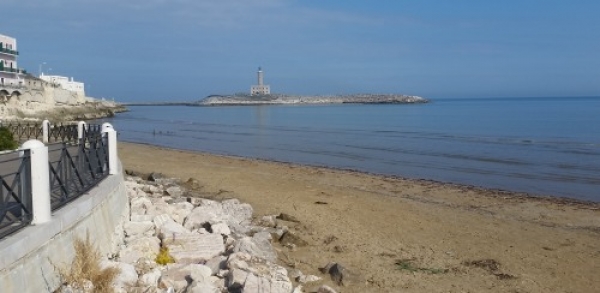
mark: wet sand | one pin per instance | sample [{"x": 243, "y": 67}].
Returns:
[{"x": 400, "y": 235}]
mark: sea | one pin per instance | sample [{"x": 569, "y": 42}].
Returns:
[{"x": 541, "y": 146}]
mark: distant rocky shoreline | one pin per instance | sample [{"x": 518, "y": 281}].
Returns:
[
  {"x": 245, "y": 99},
  {"x": 279, "y": 99}
]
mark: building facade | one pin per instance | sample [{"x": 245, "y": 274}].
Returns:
[
  {"x": 260, "y": 88},
  {"x": 65, "y": 83},
  {"x": 9, "y": 72}
]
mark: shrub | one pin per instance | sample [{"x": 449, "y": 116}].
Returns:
[
  {"x": 7, "y": 142},
  {"x": 163, "y": 257}
]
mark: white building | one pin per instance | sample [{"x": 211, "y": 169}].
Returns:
[
  {"x": 9, "y": 72},
  {"x": 260, "y": 89},
  {"x": 65, "y": 83}
]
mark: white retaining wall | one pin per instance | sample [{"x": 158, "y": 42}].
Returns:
[{"x": 28, "y": 257}]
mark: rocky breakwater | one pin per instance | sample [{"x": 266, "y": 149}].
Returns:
[
  {"x": 275, "y": 99},
  {"x": 176, "y": 241}
]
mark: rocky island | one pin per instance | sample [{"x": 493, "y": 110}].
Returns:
[{"x": 276, "y": 99}]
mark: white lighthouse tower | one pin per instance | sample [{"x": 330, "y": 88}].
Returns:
[{"x": 260, "y": 88}]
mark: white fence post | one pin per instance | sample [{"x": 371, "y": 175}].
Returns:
[
  {"x": 80, "y": 126},
  {"x": 45, "y": 129},
  {"x": 111, "y": 134},
  {"x": 40, "y": 180}
]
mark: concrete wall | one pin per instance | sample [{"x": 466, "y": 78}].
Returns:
[{"x": 29, "y": 256}]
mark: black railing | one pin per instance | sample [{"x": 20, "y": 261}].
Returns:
[
  {"x": 63, "y": 133},
  {"x": 9, "y": 51},
  {"x": 24, "y": 131},
  {"x": 15, "y": 192},
  {"x": 75, "y": 169}
]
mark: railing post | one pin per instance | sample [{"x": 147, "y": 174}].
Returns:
[
  {"x": 80, "y": 128},
  {"x": 45, "y": 130},
  {"x": 111, "y": 134},
  {"x": 40, "y": 181}
]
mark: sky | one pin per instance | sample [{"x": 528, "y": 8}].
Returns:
[{"x": 184, "y": 50}]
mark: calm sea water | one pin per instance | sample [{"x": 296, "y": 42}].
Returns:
[{"x": 544, "y": 146}]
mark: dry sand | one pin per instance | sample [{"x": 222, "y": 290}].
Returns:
[{"x": 402, "y": 235}]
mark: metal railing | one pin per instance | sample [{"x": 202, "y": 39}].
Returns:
[
  {"x": 63, "y": 133},
  {"x": 15, "y": 192},
  {"x": 75, "y": 165},
  {"x": 75, "y": 169},
  {"x": 24, "y": 131},
  {"x": 9, "y": 51}
]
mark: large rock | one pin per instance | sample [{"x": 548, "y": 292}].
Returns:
[
  {"x": 229, "y": 211},
  {"x": 139, "y": 205},
  {"x": 240, "y": 212},
  {"x": 127, "y": 276},
  {"x": 194, "y": 248},
  {"x": 135, "y": 249},
  {"x": 256, "y": 246},
  {"x": 136, "y": 229},
  {"x": 151, "y": 278}
]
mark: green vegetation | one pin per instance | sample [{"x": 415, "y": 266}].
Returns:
[
  {"x": 408, "y": 265},
  {"x": 164, "y": 257},
  {"x": 7, "y": 142}
]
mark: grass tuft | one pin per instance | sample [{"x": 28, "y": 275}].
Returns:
[{"x": 85, "y": 268}]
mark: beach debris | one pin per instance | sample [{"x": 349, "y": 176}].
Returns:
[
  {"x": 492, "y": 266},
  {"x": 329, "y": 239},
  {"x": 154, "y": 176},
  {"x": 339, "y": 274},
  {"x": 321, "y": 202},
  {"x": 288, "y": 218},
  {"x": 290, "y": 237}
]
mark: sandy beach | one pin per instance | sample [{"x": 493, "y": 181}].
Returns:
[{"x": 398, "y": 235}]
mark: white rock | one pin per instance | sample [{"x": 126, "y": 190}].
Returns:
[
  {"x": 140, "y": 247},
  {"x": 220, "y": 228},
  {"x": 298, "y": 289},
  {"x": 239, "y": 211},
  {"x": 200, "y": 273},
  {"x": 170, "y": 228},
  {"x": 151, "y": 278},
  {"x": 195, "y": 248},
  {"x": 139, "y": 205},
  {"x": 181, "y": 211},
  {"x": 127, "y": 276},
  {"x": 142, "y": 218},
  {"x": 236, "y": 278},
  {"x": 325, "y": 289},
  {"x": 217, "y": 263},
  {"x": 308, "y": 279},
  {"x": 137, "y": 228},
  {"x": 203, "y": 288},
  {"x": 174, "y": 191}
]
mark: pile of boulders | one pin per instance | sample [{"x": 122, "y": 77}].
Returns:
[{"x": 215, "y": 246}]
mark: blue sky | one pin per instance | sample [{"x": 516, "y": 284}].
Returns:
[{"x": 135, "y": 50}]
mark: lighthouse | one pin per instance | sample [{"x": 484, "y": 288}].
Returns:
[{"x": 260, "y": 89}]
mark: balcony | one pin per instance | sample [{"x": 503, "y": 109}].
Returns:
[
  {"x": 9, "y": 51},
  {"x": 12, "y": 70}
]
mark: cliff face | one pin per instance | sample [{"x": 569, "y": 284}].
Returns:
[
  {"x": 242, "y": 99},
  {"x": 38, "y": 100}
]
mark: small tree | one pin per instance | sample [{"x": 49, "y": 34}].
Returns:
[{"x": 7, "y": 142}]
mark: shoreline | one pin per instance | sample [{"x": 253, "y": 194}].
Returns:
[
  {"x": 400, "y": 234},
  {"x": 491, "y": 192}
]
